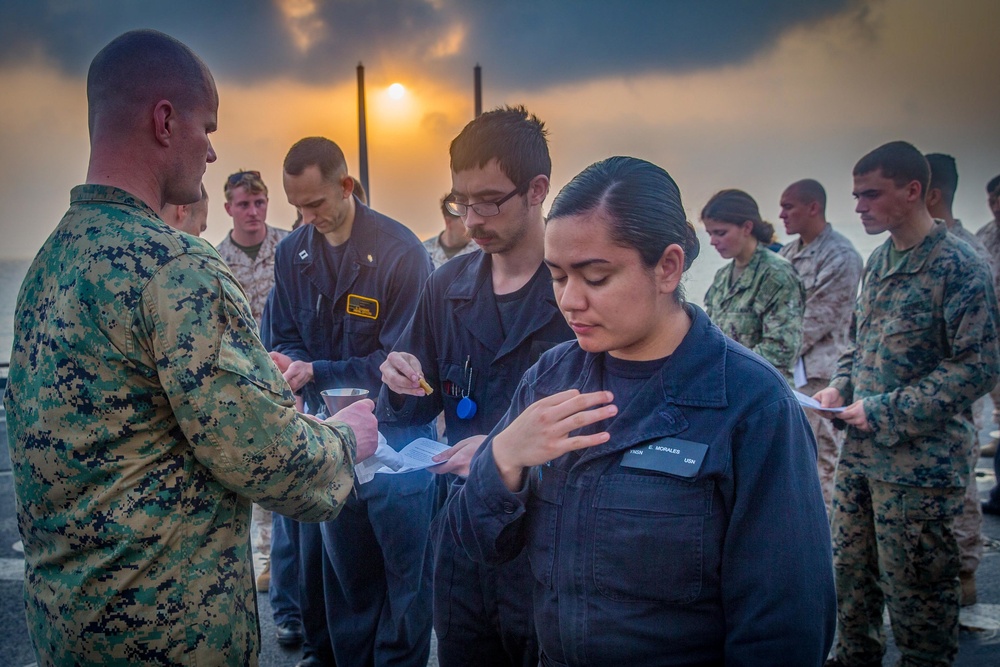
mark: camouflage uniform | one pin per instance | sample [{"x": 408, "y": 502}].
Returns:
[
  {"x": 969, "y": 524},
  {"x": 144, "y": 415},
  {"x": 438, "y": 254},
  {"x": 923, "y": 348},
  {"x": 830, "y": 270},
  {"x": 763, "y": 310},
  {"x": 989, "y": 236},
  {"x": 255, "y": 275}
]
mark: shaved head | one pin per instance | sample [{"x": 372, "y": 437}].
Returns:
[
  {"x": 138, "y": 69},
  {"x": 808, "y": 191}
]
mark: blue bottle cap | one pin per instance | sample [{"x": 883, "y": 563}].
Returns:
[{"x": 466, "y": 408}]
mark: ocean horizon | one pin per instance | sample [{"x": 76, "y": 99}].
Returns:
[{"x": 696, "y": 283}]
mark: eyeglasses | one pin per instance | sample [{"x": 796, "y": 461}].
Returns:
[
  {"x": 236, "y": 178},
  {"x": 484, "y": 209}
]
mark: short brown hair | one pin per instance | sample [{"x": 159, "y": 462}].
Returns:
[
  {"x": 898, "y": 161},
  {"x": 250, "y": 180},
  {"x": 318, "y": 151}
]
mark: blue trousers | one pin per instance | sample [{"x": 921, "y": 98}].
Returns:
[
  {"x": 283, "y": 592},
  {"x": 483, "y": 614},
  {"x": 995, "y": 491},
  {"x": 378, "y": 603}
]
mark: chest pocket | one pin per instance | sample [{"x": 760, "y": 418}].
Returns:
[
  {"x": 649, "y": 536},
  {"x": 362, "y": 334},
  {"x": 544, "y": 506}
]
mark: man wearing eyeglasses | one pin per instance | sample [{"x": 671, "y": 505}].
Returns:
[
  {"x": 483, "y": 319},
  {"x": 346, "y": 284}
]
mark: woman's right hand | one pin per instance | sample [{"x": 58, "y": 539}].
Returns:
[{"x": 541, "y": 433}]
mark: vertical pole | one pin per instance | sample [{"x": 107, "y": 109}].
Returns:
[
  {"x": 362, "y": 134},
  {"x": 478, "y": 79}
]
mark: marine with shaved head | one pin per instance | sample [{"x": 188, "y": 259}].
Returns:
[
  {"x": 830, "y": 269},
  {"x": 143, "y": 413},
  {"x": 190, "y": 218}
]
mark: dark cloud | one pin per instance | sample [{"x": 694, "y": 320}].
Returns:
[{"x": 520, "y": 43}]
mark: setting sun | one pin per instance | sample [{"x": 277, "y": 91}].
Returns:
[{"x": 396, "y": 91}]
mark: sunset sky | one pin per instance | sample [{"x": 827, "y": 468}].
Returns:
[{"x": 751, "y": 95}]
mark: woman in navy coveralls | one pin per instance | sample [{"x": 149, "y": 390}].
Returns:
[{"x": 661, "y": 477}]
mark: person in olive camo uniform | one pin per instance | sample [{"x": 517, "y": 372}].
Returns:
[
  {"x": 763, "y": 310},
  {"x": 969, "y": 524},
  {"x": 989, "y": 234},
  {"x": 756, "y": 299},
  {"x": 830, "y": 270},
  {"x": 143, "y": 412},
  {"x": 923, "y": 348},
  {"x": 256, "y": 273},
  {"x": 248, "y": 250}
]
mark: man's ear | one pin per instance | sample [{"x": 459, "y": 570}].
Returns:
[
  {"x": 933, "y": 197},
  {"x": 538, "y": 189},
  {"x": 164, "y": 121}
]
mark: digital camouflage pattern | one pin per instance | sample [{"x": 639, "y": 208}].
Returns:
[
  {"x": 763, "y": 310},
  {"x": 438, "y": 254},
  {"x": 923, "y": 348},
  {"x": 256, "y": 276},
  {"x": 969, "y": 524},
  {"x": 959, "y": 230},
  {"x": 989, "y": 236},
  {"x": 916, "y": 546},
  {"x": 144, "y": 416},
  {"x": 830, "y": 271}
]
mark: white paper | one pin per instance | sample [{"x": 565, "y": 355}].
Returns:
[
  {"x": 799, "y": 374},
  {"x": 810, "y": 402},
  {"x": 415, "y": 456}
]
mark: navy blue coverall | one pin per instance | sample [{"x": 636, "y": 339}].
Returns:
[
  {"x": 345, "y": 319},
  {"x": 729, "y": 563},
  {"x": 482, "y": 614}
]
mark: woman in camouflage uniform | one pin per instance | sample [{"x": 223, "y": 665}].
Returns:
[{"x": 756, "y": 299}]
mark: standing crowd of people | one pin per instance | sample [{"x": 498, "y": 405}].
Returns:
[{"x": 629, "y": 478}]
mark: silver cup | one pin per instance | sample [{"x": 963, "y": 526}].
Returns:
[{"x": 338, "y": 399}]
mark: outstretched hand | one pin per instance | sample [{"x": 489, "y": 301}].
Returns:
[
  {"x": 542, "y": 432},
  {"x": 458, "y": 457}
]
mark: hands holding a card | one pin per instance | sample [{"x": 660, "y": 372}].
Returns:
[{"x": 854, "y": 414}]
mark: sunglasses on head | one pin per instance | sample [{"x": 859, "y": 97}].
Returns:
[{"x": 238, "y": 176}]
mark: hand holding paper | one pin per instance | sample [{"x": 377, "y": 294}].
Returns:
[
  {"x": 810, "y": 402},
  {"x": 415, "y": 456}
]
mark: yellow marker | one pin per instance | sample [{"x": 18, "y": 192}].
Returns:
[{"x": 426, "y": 387}]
